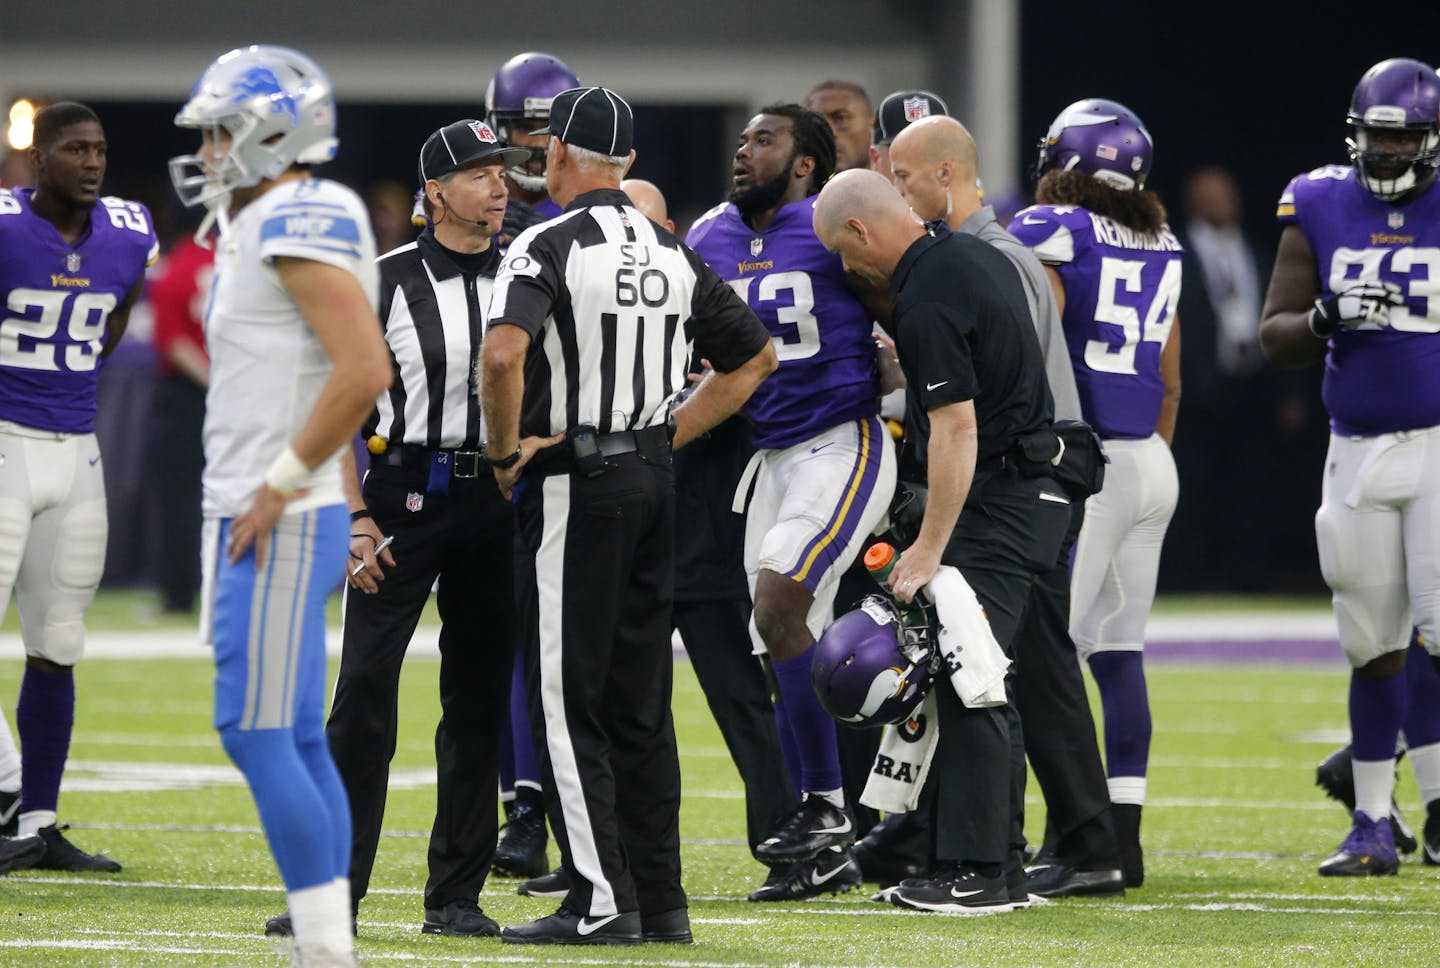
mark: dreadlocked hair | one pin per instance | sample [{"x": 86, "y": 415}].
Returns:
[
  {"x": 813, "y": 139},
  {"x": 1137, "y": 209}
]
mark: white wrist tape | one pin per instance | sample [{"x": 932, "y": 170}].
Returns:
[{"x": 288, "y": 474}]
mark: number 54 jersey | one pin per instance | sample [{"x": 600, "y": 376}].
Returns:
[
  {"x": 1121, "y": 290},
  {"x": 1378, "y": 379},
  {"x": 821, "y": 332},
  {"x": 54, "y": 301}
]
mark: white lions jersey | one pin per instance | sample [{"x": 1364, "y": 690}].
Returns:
[{"x": 266, "y": 366}]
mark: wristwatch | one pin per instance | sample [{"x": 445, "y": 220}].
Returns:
[{"x": 505, "y": 463}]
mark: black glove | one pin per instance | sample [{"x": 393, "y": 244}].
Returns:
[{"x": 1365, "y": 302}]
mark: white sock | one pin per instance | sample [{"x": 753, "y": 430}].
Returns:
[
  {"x": 1425, "y": 761},
  {"x": 1127, "y": 789},
  {"x": 1374, "y": 786},
  {"x": 9, "y": 759},
  {"x": 836, "y": 798},
  {"x": 321, "y": 919},
  {"x": 30, "y": 823}
]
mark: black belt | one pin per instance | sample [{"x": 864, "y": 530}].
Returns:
[
  {"x": 560, "y": 459},
  {"x": 464, "y": 464}
]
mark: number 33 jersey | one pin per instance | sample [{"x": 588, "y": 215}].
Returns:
[
  {"x": 1378, "y": 379},
  {"x": 1121, "y": 290},
  {"x": 56, "y": 300},
  {"x": 821, "y": 332}
]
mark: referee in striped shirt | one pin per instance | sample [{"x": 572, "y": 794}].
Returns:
[
  {"x": 429, "y": 489},
  {"x": 592, "y": 325}
]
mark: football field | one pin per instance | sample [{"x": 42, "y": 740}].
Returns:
[{"x": 1234, "y": 830}]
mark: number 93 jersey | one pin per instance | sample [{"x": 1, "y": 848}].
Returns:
[
  {"x": 54, "y": 301},
  {"x": 1378, "y": 379},
  {"x": 821, "y": 332},
  {"x": 1121, "y": 290}
]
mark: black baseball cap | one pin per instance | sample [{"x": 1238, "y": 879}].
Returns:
[
  {"x": 900, "y": 110},
  {"x": 592, "y": 117},
  {"x": 462, "y": 143}
]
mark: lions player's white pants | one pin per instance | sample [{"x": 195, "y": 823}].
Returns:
[
  {"x": 814, "y": 505},
  {"x": 52, "y": 536},
  {"x": 1378, "y": 533},
  {"x": 1117, "y": 556}
]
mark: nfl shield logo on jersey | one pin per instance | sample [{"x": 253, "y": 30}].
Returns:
[
  {"x": 483, "y": 132},
  {"x": 757, "y": 246},
  {"x": 414, "y": 501},
  {"x": 1396, "y": 219},
  {"x": 916, "y": 108},
  {"x": 72, "y": 262}
]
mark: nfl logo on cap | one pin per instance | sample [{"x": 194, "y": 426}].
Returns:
[
  {"x": 483, "y": 132},
  {"x": 916, "y": 108}
]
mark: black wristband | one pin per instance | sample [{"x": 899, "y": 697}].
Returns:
[
  {"x": 362, "y": 535},
  {"x": 1321, "y": 323},
  {"x": 505, "y": 463},
  {"x": 361, "y": 514}
]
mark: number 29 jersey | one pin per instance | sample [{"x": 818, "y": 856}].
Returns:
[
  {"x": 55, "y": 299},
  {"x": 1121, "y": 290},
  {"x": 1378, "y": 379},
  {"x": 821, "y": 332}
]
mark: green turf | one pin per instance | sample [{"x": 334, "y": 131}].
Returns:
[{"x": 1234, "y": 831}]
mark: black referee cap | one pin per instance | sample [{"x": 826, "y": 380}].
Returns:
[
  {"x": 462, "y": 143},
  {"x": 592, "y": 117},
  {"x": 900, "y": 110}
]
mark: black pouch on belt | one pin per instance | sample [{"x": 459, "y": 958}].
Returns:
[{"x": 1081, "y": 468}]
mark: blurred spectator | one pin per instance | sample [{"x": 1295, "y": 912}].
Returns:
[{"x": 390, "y": 207}]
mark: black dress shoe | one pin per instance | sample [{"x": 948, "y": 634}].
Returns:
[
  {"x": 567, "y": 927},
  {"x": 462, "y": 919},
  {"x": 667, "y": 927},
  {"x": 1059, "y": 880}
]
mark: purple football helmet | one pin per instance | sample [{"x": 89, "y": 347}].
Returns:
[
  {"x": 522, "y": 90},
  {"x": 1103, "y": 138},
  {"x": 1395, "y": 126},
  {"x": 871, "y": 667}
]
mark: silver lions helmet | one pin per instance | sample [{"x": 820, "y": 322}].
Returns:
[{"x": 262, "y": 110}]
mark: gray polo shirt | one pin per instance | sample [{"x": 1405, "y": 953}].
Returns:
[{"x": 1043, "y": 310}]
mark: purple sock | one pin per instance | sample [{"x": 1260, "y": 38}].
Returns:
[
  {"x": 814, "y": 730},
  {"x": 1377, "y": 710},
  {"x": 44, "y": 719},
  {"x": 788, "y": 750},
  {"x": 1120, "y": 677},
  {"x": 1422, "y": 683},
  {"x": 527, "y": 768}
]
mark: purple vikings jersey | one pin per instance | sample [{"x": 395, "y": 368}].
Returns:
[
  {"x": 1378, "y": 379},
  {"x": 820, "y": 330},
  {"x": 56, "y": 299},
  {"x": 1121, "y": 290}
]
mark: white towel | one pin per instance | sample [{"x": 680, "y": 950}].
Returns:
[
  {"x": 976, "y": 662},
  {"x": 903, "y": 763}
]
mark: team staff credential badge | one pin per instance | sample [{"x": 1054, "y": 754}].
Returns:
[{"x": 414, "y": 501}]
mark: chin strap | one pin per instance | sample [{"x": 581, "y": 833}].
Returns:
[{"x": 217, "y": 215}]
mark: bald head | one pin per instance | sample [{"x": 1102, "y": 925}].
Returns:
[
  {"x": 935, "y": 164},
  {"x": 646, "y": 197},
  {"x": 860, "y": 216}
]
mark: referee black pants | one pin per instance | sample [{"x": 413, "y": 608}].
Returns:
[
  {"x": 595, "y": 581},
  {"x": 465, "y": 540},
  {"x": 1009, "y": 532}
]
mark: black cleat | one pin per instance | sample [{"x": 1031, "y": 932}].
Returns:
[
  {"x": 61, "y": 855},
  {"x": 955, "y": 890},
  {"x": 810, "y": 828},
  {"x": 1127, "y": 838},
  {"x": 876, "y": 855},
  {"x": 554, "y": 884},
  {"x": 280, "y": 926},
  {"x": 667, "y": 927},
  {"x": 9, "y": 813},
  {"x": 1336, "y": 776},
  {"x": 832, "y": 871},
  {"x": 1369, "y": 851},
  {"x": 521, "y": 851},
  {"x": 1432, "y": 833},
  {"x": 567, "y": 927},
  {"x": 18, "y": 853},
  {"x": 460, "y": 919},
  {"x": 1059, "y": 880}
]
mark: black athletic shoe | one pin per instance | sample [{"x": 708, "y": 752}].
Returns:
[
  {"x": 9, "y": 813},
  {"x": 1432, "y": 833},
  {"x": 280, "y": 926},
  {"x": 61, "y": 855},
  {"x": 810, "y": 828},
  {"x": 460, "y": 919},
  {"x": 667, "y": 927},
  {"x": 567, "y": 927},
  {"x": 1017, "y": 886},
  {"x": 875, "y": 854},
  {"x": 554, "y": 884},
  {"x": 1127, "y": 838},
  {"x": 955, "y": 890},
  {"x": 1059, "y": 880},
  {"x": 18, "y": 853},
  {"x": 832, "y": 871},
  {"x": 1336, "y": 776},
  {"x": 521, "y": 851}
]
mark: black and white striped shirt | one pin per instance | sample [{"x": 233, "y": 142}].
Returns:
[
  {"x": 433, "y": 310},
  {"x": 614, "y": 306}
]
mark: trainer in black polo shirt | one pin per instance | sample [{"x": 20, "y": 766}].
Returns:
[
  {"x": 429, "y": 490},
  {"x": 592, "y": 325},
  {"x": 980, "y": 410}
]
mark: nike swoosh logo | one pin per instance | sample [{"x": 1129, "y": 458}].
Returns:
[
  {"x": 589, "y": 926},
  {"x": 7, "y": 814},
  {"x": 817, "y": 878},
  {"x": 936, "y": 386},
  {"x": 94, "y": 460},
  {"x": 963, "y": 894},
  {"x": 1027, "y": 220},
  {"x": 819, "y": 447},
  {"x": 844, "y": 828},
  {"x": 1430, "y": 852}
]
